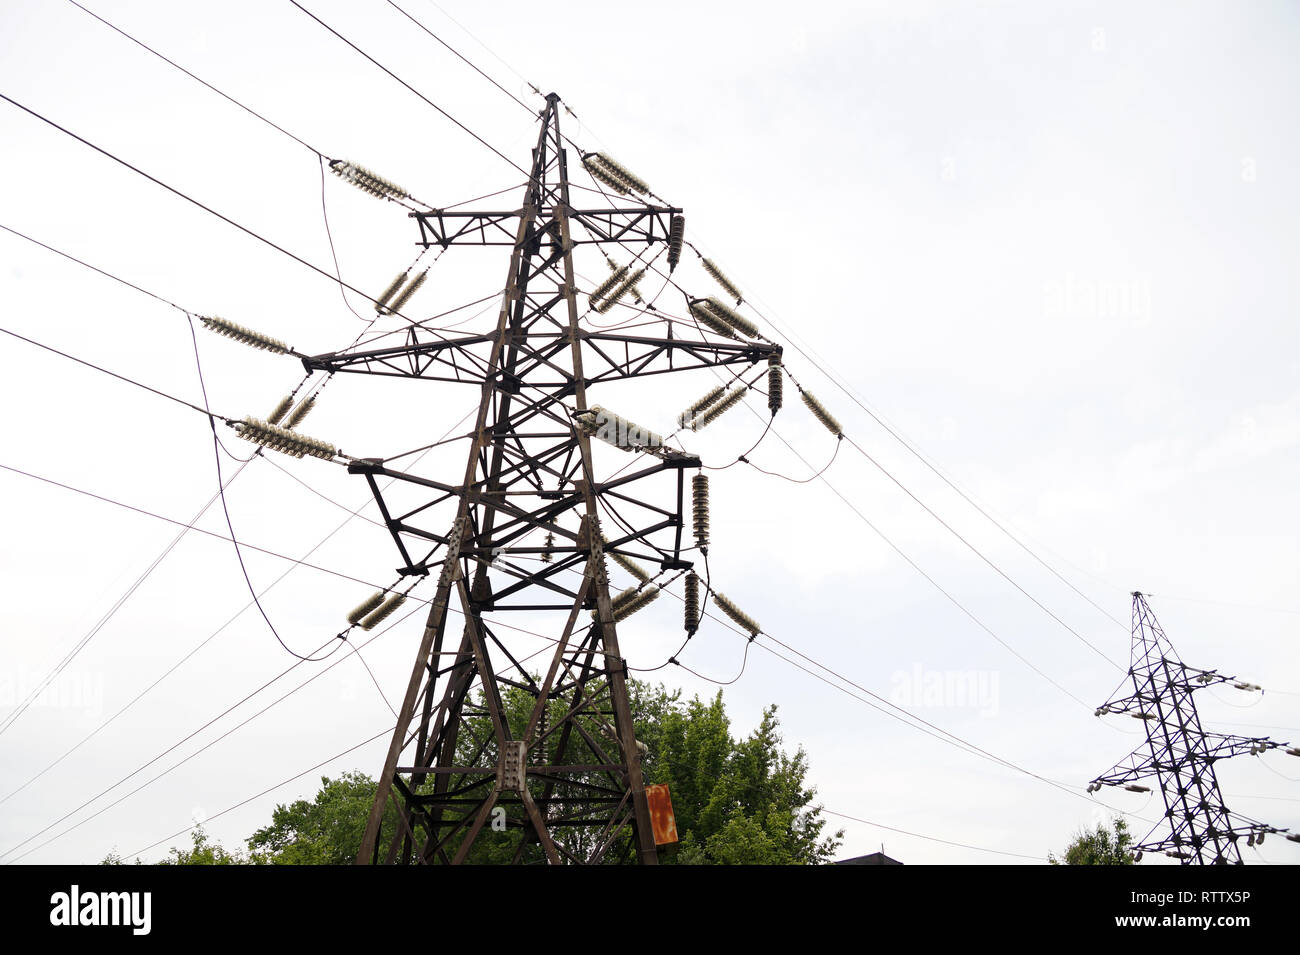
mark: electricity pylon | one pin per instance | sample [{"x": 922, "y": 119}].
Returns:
[
  {"x": 1181, "y": 755},
  {"x": 521, "y": 533}
]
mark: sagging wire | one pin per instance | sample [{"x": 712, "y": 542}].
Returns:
[
  {"x": 388, "y": 293},
  {"x": 672, "y": 660},
  {"x": 692, "y": 584},
  {"x": 225, "y": 507},
  {"x": 744, "y": 662},
  {"x": 774, "y": 371},
  {"x": 626, "y": 603},
  {"x": 329, "y": 234},
  {"x": 784, "y": 477},
  {"x": 715, "y": 403}
]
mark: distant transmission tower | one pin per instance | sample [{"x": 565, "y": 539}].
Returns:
[
  {"x": 1197, "y": 828},
  {"x": 523, "y": 534}
]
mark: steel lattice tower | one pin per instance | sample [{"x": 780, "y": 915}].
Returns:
[
  {"x": 1178, "y": 752},
  {"x": 509, "y": 536}
]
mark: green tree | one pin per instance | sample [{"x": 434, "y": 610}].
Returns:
[
  {"x": 203, "y": 852},
  {"x": 1099, "y": 846},
  {"x": 326, "y": 831},
  {"x": 736, "y": 802}
]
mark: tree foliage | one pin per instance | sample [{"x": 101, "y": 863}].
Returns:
[
  {"x": 736, "y": 801},
  {"x": 203, "y": 852},
  {"x": 1099, "y": 846},
  {"x": 326, "y": 831}
]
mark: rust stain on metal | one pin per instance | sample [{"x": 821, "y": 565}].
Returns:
[{"x": 662, "y": 819}]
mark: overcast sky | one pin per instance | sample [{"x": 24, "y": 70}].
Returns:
[{"x": 1052, "y": 245}]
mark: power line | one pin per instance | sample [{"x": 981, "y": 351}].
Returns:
[
  {"x": 294, "y": 565},
  {"x": 149, "y": 763},
  {"x": 271, "y": 789},
  {"x": 103, "y": 621},
  {"x": 793, "y": 338},
  {"x": 410, "y": 87},
  {"x": 197, "y": 79},
  {"x": 216, "y": 446},
  {"x": 208, "y": 209},
  {"x": 93, "y": 268},
  {"x": 881, "y": 704},
  {"x": 300, "y": 562},
  {"x": 170, "y": 520},
  {"x": 951, "y": 530},
  {"x": 211, "y": 743},
  {"x": 521, "y": 77},
  {"x": 884, "y": 706},
  {"x": 964, "y": 541},
  {"x": 293, "y": 666},
  {"x": 321, "y": 157},
  {"x": 981, "y": 555},
  {"x": 952, "y": 739},
  {"x": 463, "y": 58},
  {"x": 329, "y": 234},
  {"x": 947, "y": 842},
  {"x": 202, "y": 749},
  {"x": 820, "y": 475},
  {"x": 917, "y": 567},
  {"x": 113, "y": 374},
  {"x": 291, "y": 778},
  {"x": 181, "y": 742}
]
